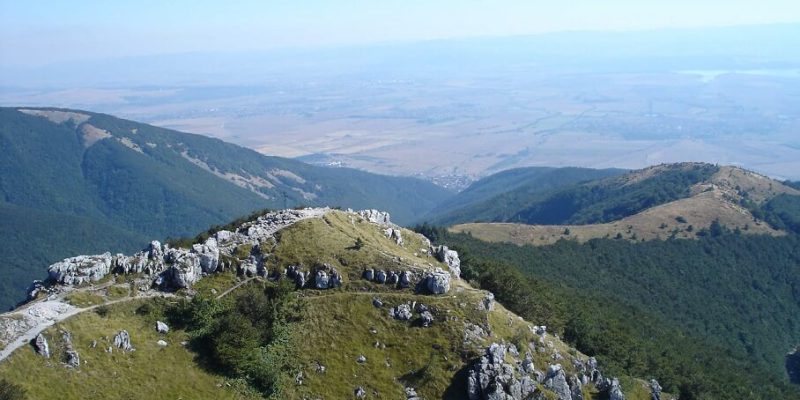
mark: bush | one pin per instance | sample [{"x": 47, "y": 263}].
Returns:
[
  {"x": 11, "y": 391},
  {"x": 101, "y": 311},
  {"x": 243, "y": 338}
]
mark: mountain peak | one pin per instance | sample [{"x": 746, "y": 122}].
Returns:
[{"x": 383, "y": 311}]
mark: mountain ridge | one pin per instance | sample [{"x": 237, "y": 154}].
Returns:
[
  {"x": 347, "y": 345},
  {"x": 680, "y": 200},
  {"x": 154, "y": 182}
]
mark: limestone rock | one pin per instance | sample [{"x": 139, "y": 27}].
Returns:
[
  {"x": 360, "y": 393},
  {"x": 369, "y": 274},
  {"x": 162, "y": 327},
  {"x": 394, "y": 234},
  {"x": 655, "y": 390},
  {"x": 438, "y": 281},
  {"x": 123, "y": 341},
  {"x": 35, "y": 289},
  {"x": 487, "y": 303},
  {"x": 377, "y": 302},
  {"x": 492, "y": 378},
  {"x": 208, "y": 253},
  {"x": 401, "y": 312},
  {"x": 393, "y": 278},
  {"x": 184, "y": 270},
  {"x": 162, "y": 343},
  {"x": 426, "y": 318},
  {"x": 327, "y": 277},
  {"x": 610, "y": 389},
  {"x": 41, "y": 346},
  {"x": 405, "y": 279},
  {"x": 473, "y": 333},
  {"x": 449, "y": 257},
  {"x": 248, "y": 267},
  {"x": 556, "y": 381},
  {"x": 71, "y": 357},
  {"x": 80, "y": 269},
  {"x": 321, "y": 280},
  {"x": 375, "y": 216},
  {"x": 380, "y": 276},
  {"x": 576, "y": 387}
]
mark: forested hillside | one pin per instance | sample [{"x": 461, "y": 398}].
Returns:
[
  {"x": 580, "y": 196},
  {"x": 510, "y": 190},
  {"x": 718, "y": 314},
  {"x": 64, "y": 173}
]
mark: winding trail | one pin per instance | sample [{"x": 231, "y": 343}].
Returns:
[
  {"x": 234, "y": 287},
  {"x": 50, "y": 312}
]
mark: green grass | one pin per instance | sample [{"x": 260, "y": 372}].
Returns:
[
  {"x": 331, "y": 240},
  {"x": 214, "y": 285},
  {"x": 81, "y": 298},
  {"x": 334, "y": 329},
  {"x": 150, "y": 372},
  {"x": 118, "y": 291}
]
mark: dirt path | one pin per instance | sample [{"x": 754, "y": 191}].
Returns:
[
  {"x": 227, "y": 292},
  {"x": 42, "y": 315}
]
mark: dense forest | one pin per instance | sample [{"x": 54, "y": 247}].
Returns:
[
  {"x": 510, "y": 190},
  {"x": 710, "y": 318}
]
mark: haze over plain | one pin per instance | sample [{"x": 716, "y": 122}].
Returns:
[{"x": 421, "y": 89}]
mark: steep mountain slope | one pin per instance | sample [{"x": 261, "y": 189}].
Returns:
[
  {"x": 509, "y": 190},
  {"x": 714, "y": 316},
  {"x": 668, "y": 201},
  {"x": 311, "y": 303},
  {"x": 156, "y": 182}
]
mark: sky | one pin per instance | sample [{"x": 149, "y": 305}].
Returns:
[{"x": 37, "y": 32}]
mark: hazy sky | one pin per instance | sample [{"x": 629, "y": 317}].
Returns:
[{"x": 34, "y": 32}]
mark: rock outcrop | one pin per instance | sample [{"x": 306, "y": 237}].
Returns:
[
  {"x": 327, "y": 277},
  {"x": 162, "y": 327},
  {"x": 655, "y": 390},
  {"x": 178, "y": 268},
  {"x": 41, "y": 346},
  {"x": 401, "y": 312},
  {"x": 395, "y": 235},
  {"x": 81, "y": 269},
  {"x": 123, "y": 341},
  {"x": 556, "y": 381},
  {"x": 437, "y": 281},
  {"x": 492, "y": 378},
  {"x": 375, "y": 216},
  {"x": 426, "y": 319},
  {"x": 449, "y": 257},
  {"x": 71, "y": 357}
]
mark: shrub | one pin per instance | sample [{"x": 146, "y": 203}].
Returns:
[{"x": 11, "y": 391}]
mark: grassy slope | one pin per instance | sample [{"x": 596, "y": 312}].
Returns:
[
  {"x": 719, "y": 198},
  {"x": 150, "y": 372},
  {"x": 335, "y": 329}
]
